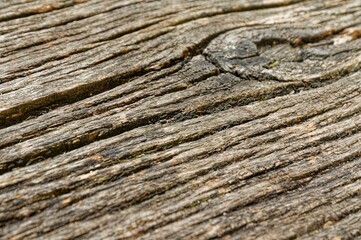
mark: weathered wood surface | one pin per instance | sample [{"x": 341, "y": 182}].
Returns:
[{"x": 180, "y": 119}]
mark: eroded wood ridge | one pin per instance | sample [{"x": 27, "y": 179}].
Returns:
[{"x": 180, "y": 119}]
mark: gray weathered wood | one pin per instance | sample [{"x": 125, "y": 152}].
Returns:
[{"x": 203, "y": 119}]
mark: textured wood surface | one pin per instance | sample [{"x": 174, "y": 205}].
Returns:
[{"x": 143, "y": 119}]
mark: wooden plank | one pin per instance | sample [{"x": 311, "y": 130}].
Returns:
[{"x": 180, "y": 119}]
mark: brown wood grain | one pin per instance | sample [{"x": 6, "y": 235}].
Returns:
[{"x": 142, "y": 119}]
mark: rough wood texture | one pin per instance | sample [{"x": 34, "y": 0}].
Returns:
[{"x": 180, "y": 119}]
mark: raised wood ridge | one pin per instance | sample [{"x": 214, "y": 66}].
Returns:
[{"x": 180, "y": 119}]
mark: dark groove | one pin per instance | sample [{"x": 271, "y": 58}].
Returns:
[
  {"x": 221, "y": 165},
  {"x": 37, "y": 107},
  {"x": 175, "y": 116},
  {"x": 325, "y": 129},
  {"x": 68, "y": 146},
  {"x": 320, "y": 171},
  {"x": 22, "y": 112},
  {"x": 31, "y": 135}
]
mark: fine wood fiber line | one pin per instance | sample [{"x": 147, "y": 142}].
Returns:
[{"x": 145, "y": 119}]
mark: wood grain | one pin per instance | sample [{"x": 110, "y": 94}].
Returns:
[{"x": 142, "y": 119}]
